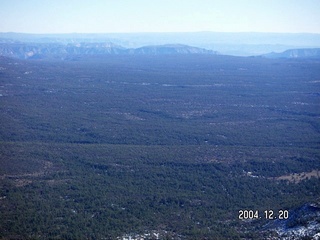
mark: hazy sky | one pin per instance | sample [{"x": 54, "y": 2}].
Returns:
[{"x": 107, "y": 16}]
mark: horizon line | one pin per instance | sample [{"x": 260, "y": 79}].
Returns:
[{"x": 170, "y": 32}]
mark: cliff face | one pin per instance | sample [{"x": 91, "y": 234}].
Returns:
[
  {"x": 296, "y": 53},
  {"x": 171, "y": 49}
]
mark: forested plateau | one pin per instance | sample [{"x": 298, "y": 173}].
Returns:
[{"x": 167, "y": 146}]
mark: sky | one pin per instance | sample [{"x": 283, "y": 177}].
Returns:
[{"x": 126, "y": 16}]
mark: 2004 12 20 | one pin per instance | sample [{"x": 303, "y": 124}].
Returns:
[{"x": 267, "y": 214}]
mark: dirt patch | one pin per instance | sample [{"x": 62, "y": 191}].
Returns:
[
  {"x": 22, "y": 182},
  {"x": 298, "y": 177},
  {"x": 47, "y": 165},
  {"x": 57, "y": 182},
  {"x": 23, "y": 179}
]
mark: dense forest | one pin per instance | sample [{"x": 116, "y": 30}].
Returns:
[{"x": 102, "y": 147}]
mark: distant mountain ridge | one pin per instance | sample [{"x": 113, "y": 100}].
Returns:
[
  {"x": 296, "y": 53},
  {"x": 58, "y": 50},
  {"x": 227, "y": 43}
]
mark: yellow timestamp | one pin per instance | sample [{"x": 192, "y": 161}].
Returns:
[{"x": 267, "y": 214}]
